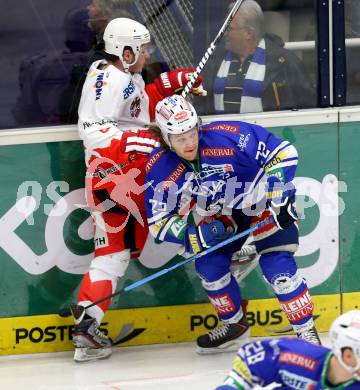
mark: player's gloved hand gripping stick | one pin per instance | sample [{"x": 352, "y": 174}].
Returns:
[
  {"x": 169, "y": 82},
  {"x": 75, "y": 309},
  {"x": 206, "y": 235}
]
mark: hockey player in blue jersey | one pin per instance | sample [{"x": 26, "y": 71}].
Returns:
[
  {"x": 296, "y": 364},
  {"x": 221, "y": 167}
]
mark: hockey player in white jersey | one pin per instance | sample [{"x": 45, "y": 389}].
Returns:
[{"x": 114, "y": 110}]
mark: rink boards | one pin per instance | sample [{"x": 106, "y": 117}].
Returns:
[
  {"x": 156, "y": 325},
  {"x": 46, "y": 241}
]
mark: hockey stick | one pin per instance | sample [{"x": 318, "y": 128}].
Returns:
[
  {"x": 210, "y": 49},
  {"x": 66, "y": 312}
]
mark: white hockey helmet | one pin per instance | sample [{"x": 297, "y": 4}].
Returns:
[
  {"x": 122, "y": 32},
  {"x": 175, "y": 115},
  {"x": 345, "y": 333}
]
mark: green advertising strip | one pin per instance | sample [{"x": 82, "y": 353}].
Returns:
[{"x": 349, "y": 157}]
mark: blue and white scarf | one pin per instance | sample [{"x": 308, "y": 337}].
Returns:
[{"x": 253, "y": 82}]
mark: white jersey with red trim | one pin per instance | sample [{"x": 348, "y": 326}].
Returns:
[{"x": 112, "y": 102}]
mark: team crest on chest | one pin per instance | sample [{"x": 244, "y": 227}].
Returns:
[
  {"x": 208, "y": 170},
  {"x": 135, "y": 108}
]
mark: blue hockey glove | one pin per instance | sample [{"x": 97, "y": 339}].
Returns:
[
  {"x": 283, "y": 212},
  {"x": 198, "y": 238}
]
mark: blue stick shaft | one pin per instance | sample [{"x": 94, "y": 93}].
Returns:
[
  {"x": 67, "y": 312},
  {"x": 198, "y": 255}
]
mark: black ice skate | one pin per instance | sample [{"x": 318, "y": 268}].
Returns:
[
  {"x": 310, "y": 336},
  {"x": 227, "y": 338},
  {"x": 90, "y": 342}
]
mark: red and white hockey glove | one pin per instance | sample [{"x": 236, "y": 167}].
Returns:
[
  {"x": 174, "y": 81},
  {"x": 139, "y": 142}
]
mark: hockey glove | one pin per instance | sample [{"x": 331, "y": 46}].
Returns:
[
  {"x": 174, "y": 81},
  {"x": 140, "y": 141},
  {"x": 283, "y": 212},
  {"x": 204, "y": 236}
]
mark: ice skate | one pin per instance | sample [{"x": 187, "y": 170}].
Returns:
[
  {"x": 229, "y": 337},
  {"x": 90, "y": 342},
  {"x": 246, "y": 253},
  {"x": 311, "y": 335},
  {"x": 244, "y": 261}
]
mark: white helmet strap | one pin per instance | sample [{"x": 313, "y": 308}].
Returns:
[{"x": 352, "y": 370}]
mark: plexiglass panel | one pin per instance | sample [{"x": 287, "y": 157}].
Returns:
[
  {"x": 352, "y": 30},
  {"x": 266, "y": 60}
]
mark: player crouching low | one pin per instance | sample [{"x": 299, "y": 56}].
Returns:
[{"x": 199, "y": 164}]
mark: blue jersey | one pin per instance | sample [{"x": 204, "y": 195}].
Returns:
[
  {"x": 293, "y": 363},
  {"x": 234, "y": 159}
]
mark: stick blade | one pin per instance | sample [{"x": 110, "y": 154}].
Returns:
[
  {"x": 65, "y": 312},
  {"x": 76, "y": 311}
]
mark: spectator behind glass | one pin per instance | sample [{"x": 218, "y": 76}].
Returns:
[
  {"x": 100, "y": 12},
  {"x": 50, "y": 84},
  {"x": 256, "y": 72},
  {"x": 44, "y": 77}
]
